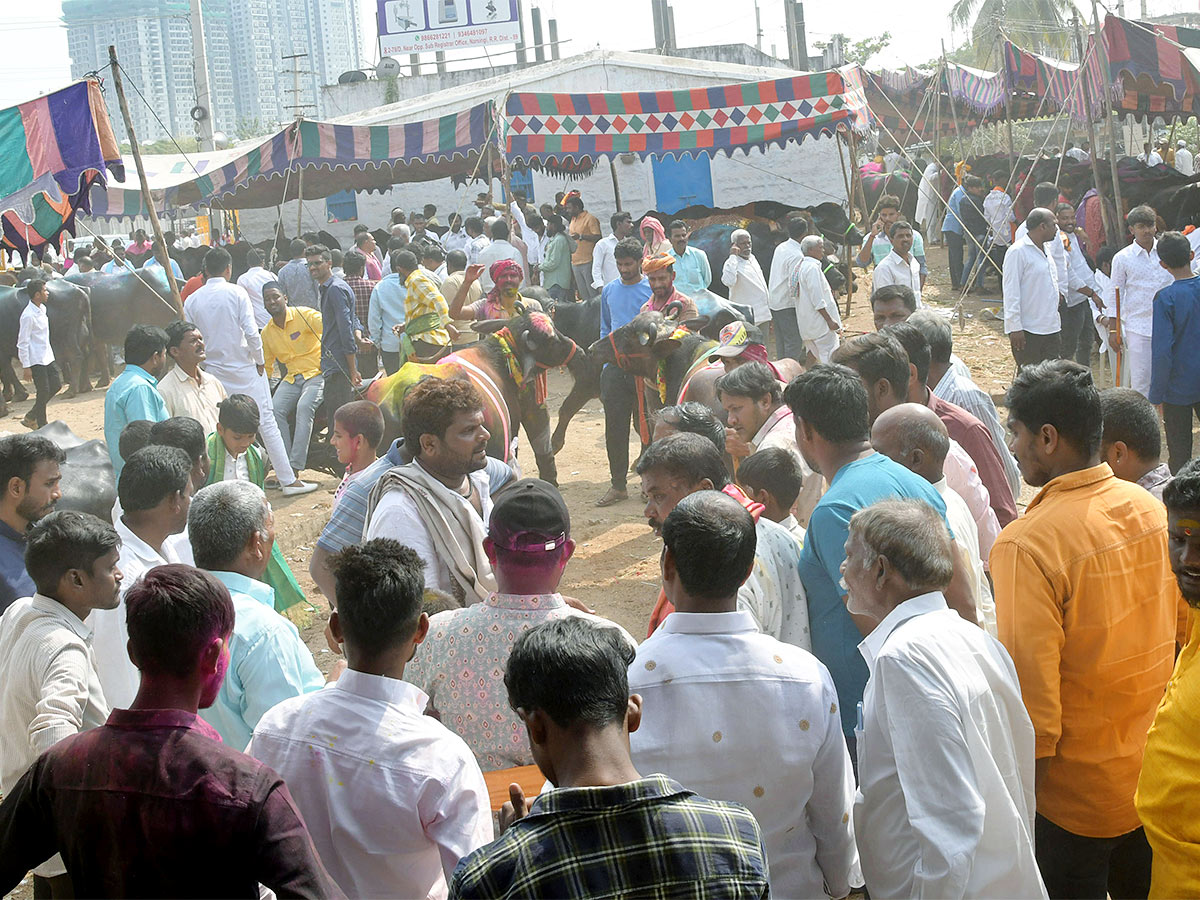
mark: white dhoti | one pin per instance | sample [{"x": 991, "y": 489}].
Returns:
[
  {"x": 1137, "y": 359},
  {"x": 927, "y": 199},
  {"x": 822, "y": 347},
  {"x": 248, "y": 381}
]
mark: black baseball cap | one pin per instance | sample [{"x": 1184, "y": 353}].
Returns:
[{"x": 531, "y": 515}]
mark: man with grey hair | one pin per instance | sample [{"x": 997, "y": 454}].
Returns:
[
  {"x": 913, "y": 435},
  {"x": 744, "y": 277},
  {"x": 232, "y": 530},
  {"x": 945, "y": 806},
  {"x": 950, "y": 380},
  {"x": 817, "y": 314},
  {"x": 1031, "y": 292}
]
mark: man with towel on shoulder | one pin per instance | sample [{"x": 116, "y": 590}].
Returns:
[{"x": 660, "y": 272}]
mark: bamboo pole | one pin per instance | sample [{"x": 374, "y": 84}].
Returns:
[
  {"x": 1012, "y": 151},
  {"x": 612, "y": 168},
  {"x": 953, "y": 112},
  {"x": 1108, "y": 118},
  {"x": 1110, "y": 228},
  {"x": 160, "y": 243},
  {"x": 849, "y": 208}
]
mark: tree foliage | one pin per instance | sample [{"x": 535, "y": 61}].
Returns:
[
  {"x": 859, "y": 52},
  {"x": 1041, "y": 26}
]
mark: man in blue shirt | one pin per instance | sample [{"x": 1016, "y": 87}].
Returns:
[
  {"x": 1175, "y": 337},
  {"x": 30, "y": 476},
  {"x": 386, "y": 310},
  {"x": 692, "y": 271},
  {"x": 232, "y": 530},
  {"x": 297, "y": 283},
  {"x": 342, "y": 331},
  {"x": 833, "y": 434},
  {"x": 954, "y": 233},
  {"x": 620, "y": 301},
  {"x": 134, "y": 395}
]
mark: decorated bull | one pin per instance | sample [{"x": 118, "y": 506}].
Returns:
[
  {"x": 67, "y": 312},
  {"x": 509, "y": 368}
]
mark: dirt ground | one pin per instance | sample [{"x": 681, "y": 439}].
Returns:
[{"x": 615, "y": 567}]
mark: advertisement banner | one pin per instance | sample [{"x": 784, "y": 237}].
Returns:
[{"x": 419, "y": 26}]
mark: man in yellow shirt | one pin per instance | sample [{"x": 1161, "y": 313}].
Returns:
[
  {"x": 585, "y": 232},
  {"x": 1168, "y": 792},
  {"x": 426, "y": 314},
  {"x": 293, "y": 339},
  {"x": 1085, "y": 605}
]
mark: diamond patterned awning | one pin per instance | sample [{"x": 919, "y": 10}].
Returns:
[{"x": 698, "y": 120}]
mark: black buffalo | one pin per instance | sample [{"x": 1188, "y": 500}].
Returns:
[
  {"x": 67, "y": 312},
  {"x": 88, "y": 484}
]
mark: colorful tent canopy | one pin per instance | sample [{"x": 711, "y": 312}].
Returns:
[
  {"x": 1039, "y": 76},
  {"x": 1156, "y": 67},
  {"x": 542, "y": 126},
  {"x": 52, "y": 150},
  {"x": 331, "y": 157}
]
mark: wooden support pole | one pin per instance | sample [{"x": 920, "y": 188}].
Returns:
[
  {"x": 850, "y": 209},
  {"x": 1108, "y": 118},
  {"x": 1008, "y": 89},
  {"x": 962, "y": 153},
  {"x": 612, "y": 168},
  {"x": 160, "y": 243},
  {"x": 1110, "y": 228}
]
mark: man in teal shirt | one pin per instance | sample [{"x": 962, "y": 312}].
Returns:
[
  {"x": 692, "y": 271},
  {"x": 134, "y": 395},
  {"x": 232, "y": 531},
  {"x": 829, "y": 404}
]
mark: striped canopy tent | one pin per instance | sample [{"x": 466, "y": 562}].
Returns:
[
  {"x": 1032, "y": 77},
  {"x": 707, "y": 120},
  {"x": 316, "y": 158},
  {"x": 52, "y": 151},
  {"x": 1155, "y": 69}
]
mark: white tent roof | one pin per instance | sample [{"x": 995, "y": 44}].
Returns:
[{"x": 596, "y": 70}]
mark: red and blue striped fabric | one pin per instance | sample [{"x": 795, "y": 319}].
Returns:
[
  {"x": 52, "y": 150},
  {"x": 549, "y": 126}
]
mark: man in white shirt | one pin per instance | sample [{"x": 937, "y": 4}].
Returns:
[
  {"x": 899, "y": 266},
  {"x": 1078, "y": 333},
  {"x": 1184, "y": 161},
  {"x": 187, "y": 389},
  {"x": 35, "y": 353},
  {"x": 234, "y": 355},
  {"x": 716, "y": 695},
  {"x": 393, "y": 799},
  {"x": 913, "y": 435},
  {"x": 744, "y": 277},
  {"x": 1031, "y": 292},
  {"x": 929, "y": 202},
  {"x": 946, "y": 803},
  {"x": 817, "y": 317},
  {"x": 439, "y": 503},
  {"x": 478, "y": 240},
  {"x": 1000, "y": 217},
  {"x": 500, "y": 248},
  {"x": 455, "y": 238},
  {"x": 1138, "y": 275},
  {"x": 1149, "y": 155},
  {"x": 50, "y": 689},
  {"x": 252, "y": 282},
  {"x": 604, "y": 264},
  {"x": 155, "y": 493},
  {"x": 784, "y": 261},
  {"x": 1076, "y": 153},
  {"x": 683, "y": 463}
]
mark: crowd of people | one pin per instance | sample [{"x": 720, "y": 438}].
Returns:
[{"x": 865, "y": 668}]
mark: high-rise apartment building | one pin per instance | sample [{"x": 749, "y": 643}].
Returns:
[{"x": 245, "y": 41}]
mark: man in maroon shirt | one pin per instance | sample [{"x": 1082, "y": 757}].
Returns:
[{"x": 151, "y": 804}]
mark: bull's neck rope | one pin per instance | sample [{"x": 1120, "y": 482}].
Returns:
[{"x": 508, "y": 350}]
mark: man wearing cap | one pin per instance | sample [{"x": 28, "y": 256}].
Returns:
[
  {"x": 660, "y": 272},
  {"x": 741, "y": 343},
  {"x": 1184, "y": 162},
  {"x": 528, "y": 544},
  {"x": 498, "y": 303},
  {"x": 744, "y": 277},
  {"x": 620, "y": 300}
]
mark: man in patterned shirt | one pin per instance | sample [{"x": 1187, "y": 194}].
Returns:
[
  {"x": 426, "y": 313},
  {"x": 607, "y": 830},
  {"x": 354, "y": 264},
  {"x": 528, "y": 544}
]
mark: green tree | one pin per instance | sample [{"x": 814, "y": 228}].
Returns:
[
  {"x": 858, "y": 52},
  {"x": 1037, "y": 25}
]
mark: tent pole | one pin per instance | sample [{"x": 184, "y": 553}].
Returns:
[
  {"x": 1012, "y": 152},
  {"x": 612, "y": 168},
  {"x": 160, "y": 244},
  {"x": 953, "y": 112},
  {"x": 1108, "y": 118},
  {"x": 850, "y": 208},
  {"x": 300, "y": 202},
  {"x": 1109, "y": 227}
]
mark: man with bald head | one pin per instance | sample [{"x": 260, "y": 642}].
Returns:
[
  {"x": 1031, "y": 292},
  {"x": 913, "y": 435}
]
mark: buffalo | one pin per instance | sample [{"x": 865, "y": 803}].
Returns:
[{"x": 67, "y": 312}]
